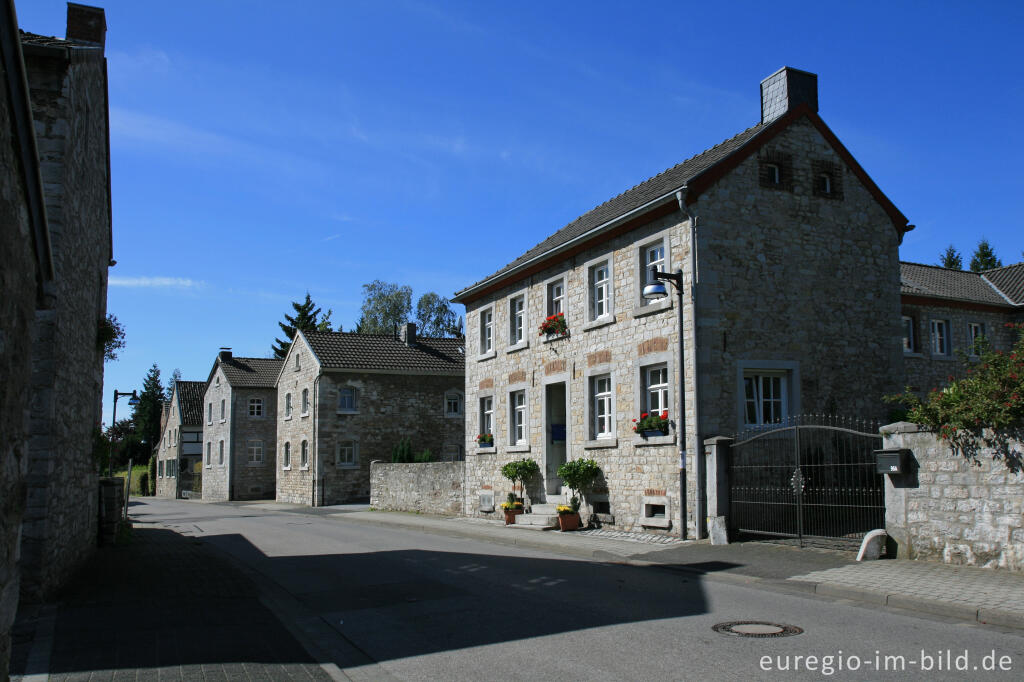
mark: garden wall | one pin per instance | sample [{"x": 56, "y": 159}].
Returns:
[
  {"x": 954, "y": 509},
  {"x": 430, "y": 487}
]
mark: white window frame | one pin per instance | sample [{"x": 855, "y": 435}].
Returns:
[
  {"x": 348, "y": 390},
  {"x": 286, "y": 456},
  {"x": 602, "y": 414},
  {"x": 776, "y": 173},
  {"x": 908, "y": 334},
  {"x": 254, "y": 453},
  {"x": 304, "y": 455},
  {"x": 485, "y": 416},
  {"x": 599, "y": 290},
  {"x": 661, "y": 390},
  {"x": 223, "y": 410},
  {"x": 975, "y": 331},
  {"x": 518, "y": 426},
  {"x": 220, "y": 454},
  {"x": 305, "y": 403},
  {"x": 487, "y": 332},
  {"x": 460, "y": 402},
  {"x": 643, "y": 273},
  {"x": 761, "y": 388},
  {"x": 554, "y": 296},
  {"x": 255, "y": 407},
  {"x": 298, "y": 366},
  {"x": 517, "y": 321},
  {"x": 789, "y": 370},
  {"x": 349, "y": 460},
  {"x": 160, "y": 468},
  {"x": 209, "y": 413},
  {"x": 287, "y": 405},
  {"x": 941, "y": 345}
]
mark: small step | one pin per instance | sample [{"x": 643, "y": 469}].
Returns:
[
  {"x": 535, "y": 519},
  {"x": 546, "y": 508}
]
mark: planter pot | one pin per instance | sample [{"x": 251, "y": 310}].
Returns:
[
  {"x": 655, "y": 433},
  {"x": 485, "y": 445},
  {"x": 510, "y": 515},
  {"x": 568, "y": 521}
]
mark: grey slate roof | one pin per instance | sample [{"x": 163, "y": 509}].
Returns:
[
  {"x": 1009, "y": 280},
  {"x": 937, "y": 282},
  {"x": 652, "y": 188},
  {"x": 190, "y": 401},
  {"x": 344, "y": 350},
  {"x": 45, "y": 41},
  {"x": 252, "y": 372}
]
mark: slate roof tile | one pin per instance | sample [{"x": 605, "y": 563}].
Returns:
[
  {"x": 937, "y": 282},
  {"x": 346, "y": 350},
  {"x": 252, "y": 372},
  {"x": 1009, "y": 280},
  {"x": 190, "y": 402}
]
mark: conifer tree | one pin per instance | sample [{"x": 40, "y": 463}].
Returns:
[
  {"x": 984, "y": 258},
  {"x": 306, "y": 318},
  {"x": 952, "y": 259},
  {"x": 147, "y": 413}
]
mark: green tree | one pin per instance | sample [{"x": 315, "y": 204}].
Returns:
[
  {"x": 984, "y": 258},
  {"x": 306, "y": 318},
  {"x": 952, "y": 259},
  {"x": 110, "y": 337},
  {"x": 175, "y": 378},
  {"x": 146, "y": 415},
  {"x": 434, "y": 316},
  {"x": 385, "y": 306}
]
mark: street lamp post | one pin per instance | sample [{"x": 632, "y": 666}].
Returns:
[{"x": 133, "y": 400}]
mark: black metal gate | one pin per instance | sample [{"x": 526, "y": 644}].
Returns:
[{"x": 807, "y": 478}]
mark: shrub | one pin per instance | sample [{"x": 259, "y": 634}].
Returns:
[
  {"x": 402, "y": 452},
  {"x": 521, "y": 470},
  {"x": 151, "y": 490},
  {"x": 425, "y": 456},
  {"x": 144, "y": 483},
  {"x": 578, "y": 475}
]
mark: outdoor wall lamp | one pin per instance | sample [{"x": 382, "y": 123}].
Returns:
[{"x": 133, "y": 401}]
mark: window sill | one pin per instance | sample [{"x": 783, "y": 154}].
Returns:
[
  {"x": 486, "y": 451},
  {"x": 255, "y": 466},
  {"x": 453, "y": 416},
  {"x": 490, "y": 355},
  {"x": 555, "y": 337},
  {"x": 223, "y": 421},
  {"x": 602, "y": 321},
  {"x": 599, "y": 443},
  {"x": 288, "y": 418},
  {"x": 286, "y": 468},
  {"x": 519, "y": 346},
  {"x": 346, "y": 412},
  {"x": 304, "y": 415},
  {"x": 523, "y": 447},
  {"x": 670, "y": 439},
  {"x": 652, "y": 308}
]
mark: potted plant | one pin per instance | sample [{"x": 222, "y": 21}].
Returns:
[
  {"x": 651, "y": 424},
  {"x": 568, "y": 518},
  {"x": 554, "y": 325},
  {"x": 578, "y": 475},
  {"x": 521, "y": 471},
  {"x": 512, "y": 508},
  {"x": 485, "y": 440}
]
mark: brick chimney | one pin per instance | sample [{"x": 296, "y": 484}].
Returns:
[
  {"x": 786, "y": 89},
  {"x": 407, "y": 333},
  {"x": 86, "y": 25},
  {"x": 224, "y": 355}
]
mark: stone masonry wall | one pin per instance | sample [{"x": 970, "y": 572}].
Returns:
[
  {"x": 295, "y": 482},
  {"x": 429, "y": 488},
  {"x": 951, "y": 509},
  {"x": 252, "y": 481},
  {"x": 59, "y": 532},
  {"x": 216, "y": 431}
]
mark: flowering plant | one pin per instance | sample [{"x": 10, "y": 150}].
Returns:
[
  {"x": 565, "y": 509},
  {"x": 485, "y": 439},
  {"x": 651, "y": 422},
  {"x": 512, "y": 505},
  {"x": 554, "y": 324}
]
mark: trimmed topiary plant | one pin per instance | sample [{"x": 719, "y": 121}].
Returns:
[
  {"x": 578, "y": 475},
  {"x": 521, "y": 471}
]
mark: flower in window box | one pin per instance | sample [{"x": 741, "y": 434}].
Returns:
[
  {"x": 651, "y": 422},
  {"x": 554, "y": 325},
  {"x": 485, "y": 440}
]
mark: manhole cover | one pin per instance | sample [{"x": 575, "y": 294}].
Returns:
[{"x": 756, "y": 628}]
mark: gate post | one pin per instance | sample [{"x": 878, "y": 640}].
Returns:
[{"x": 716, "y": 470}]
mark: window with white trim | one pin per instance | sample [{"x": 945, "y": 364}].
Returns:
[
  {"x": 287, "y": 405},
  {"x": 254, "y": 453},
  {"x": 487, "y": 414},
  {"x": 599, "y": 279},
  {"x": 255, "y": 407},
  {"x": 220, "y": 454},
  {"x": 517, "y": 417},
  {"x": 286, "y": 456},
  {"x": 305, "y": 401},
  {"x": 602, "y": 422},
  {"x": 655, "y": 388},
  {"x": 652, "y": 259},
  {"x": 486, "y": 331},
  {"x": 209, "y": 413},
  {"x": 160, "y": 469},
  {"x": 556, "y": 296},
  {"x": 223, "y": 409},
  {"x": 346, "y": 454},
  {"x": 209, "y": 453},
  {"x": 940, "y": 337},
  {"x": 346, "y": 399},
  {"x": 765, "y": 397},
  {"x": 297, "y": 365},
  {"x": 304, "y": 461},
  {"x": 909, "y": 342},
  {"x": 975, "y": 332},
  {"x": 453, "y": 404},
  {"x": 517, "y": 319}
]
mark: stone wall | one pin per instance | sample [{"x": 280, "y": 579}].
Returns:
[
  {"x": 69, "y": 104},
  {"x": 217, "y": 435},
  {"x": 295, "y": 482},
  {"x": 430, "y": 488},
  {"x": 952, "y": 509},
  {"x": 249, "y": 480}
]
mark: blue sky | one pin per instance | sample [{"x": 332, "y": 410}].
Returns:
[{"x": 261, "y": 150}]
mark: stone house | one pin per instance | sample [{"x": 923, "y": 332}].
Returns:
[
  {"x": 240, "y": 432},
  {"x": 787, "y": 256},
  {"x": 344, "y": 400},
  {"x": 944, "y": 311},
  {"x": 180, "y": 450}
]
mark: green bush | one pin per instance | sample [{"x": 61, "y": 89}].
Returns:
[
  {"x": 151, "y": 490},
  {"x": 425, "y": 456},
  {"x": 402, "y": 452},
  {"x": 578, "y": 475},
  {"x": 521, "y": 470}
]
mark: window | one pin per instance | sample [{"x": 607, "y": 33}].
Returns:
[
  {"x": 654, "y": 261},
  {"x": 255, "y": 407},
  {"x": 209, "y": 413},
  {"x": 216, "y": 381},
  {"x": 297, "y": 365},
  {"x": 174, "y": 436},
  {"x": 209, "y": 456},
  {"x": 453, "y": 404},
  {"x": 772, "y": 173},
  {"x": 824, "y": 184},
  {"x": 556, "y": 297},
  {"x": 220, "y": 454},
  {"x": 172, "y": 468},
  {"x": 601, "y": 407},
  {"x": 775, "y": 170},
  {"x": 286, "y": 456},
  {"x": 222, "y": 411},
  {"x": 975, "y": 332},
  {"x": 828, "y": 179},
  {"x": 487, "y": 414},
  {"x": 347, "y": 399},
  {"x": 486, "y": 331},
  {"x": 254, "y": 453},
  {"x": 655, "y": 386},
  {"x": 600, "y": 290},
  {"x": 517, "y": 320},
  {"x": 452, "y": 453},
  {"x": 160, "y": 469},
  {"x": 909, "y": 345},
  {"x": 304, "y": 461},
  {"x": 288, "y": 406},
  {"x": 305, "y": 401},
  {"x": 346, "y": 454},
  {"x": 517, "y": 417},
  {"x": 765, "y": 400},
  {"x": 940, "y": 337}
]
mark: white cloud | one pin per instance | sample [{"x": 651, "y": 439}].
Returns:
[{"x": 155, "y": 282}]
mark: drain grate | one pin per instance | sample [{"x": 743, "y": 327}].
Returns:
[{"x": 756, "y": 628}]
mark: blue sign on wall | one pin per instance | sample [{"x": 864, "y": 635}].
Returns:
[{"x": 557, "y": 432}]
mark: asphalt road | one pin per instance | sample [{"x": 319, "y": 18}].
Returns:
[{"x": 381, "y": 603}]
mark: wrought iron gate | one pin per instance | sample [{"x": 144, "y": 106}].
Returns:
[{"x": 807, "y": 478}]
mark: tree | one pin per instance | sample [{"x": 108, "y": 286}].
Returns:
[
  {"x": 385, "y": 306},
  {"x": 175, "y": 378},
  {"x": 434, "y": 316},
  {"x": 984, "y": 257},
  {"x": 147, "y": 413},
  {"x": 110, "y": 337},
  {"x": 951, "y": 259},
  {"x": 306, "y": 318}
]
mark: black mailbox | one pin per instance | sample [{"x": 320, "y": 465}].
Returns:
[{"x": 892, "y": 461}]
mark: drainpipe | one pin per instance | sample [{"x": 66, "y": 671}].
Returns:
[{"x": 314, "y": 465}]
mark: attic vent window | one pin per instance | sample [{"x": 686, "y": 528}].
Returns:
[
  {"x": 828, "y": 179},
  {"x": 772, "y": 173},
  {"x": 775, "y": 170}
]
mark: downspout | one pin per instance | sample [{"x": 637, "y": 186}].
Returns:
[
  {"x": 231, "y": 447},
  {"x": 314, "y": 465}
]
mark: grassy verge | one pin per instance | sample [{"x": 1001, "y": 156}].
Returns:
[{"x": 137, "y": 471}]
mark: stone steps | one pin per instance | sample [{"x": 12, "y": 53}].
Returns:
[{"x": 537, "y": 519}]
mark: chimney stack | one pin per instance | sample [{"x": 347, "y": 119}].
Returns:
[
  {"x": 225, "y": 354},
  {"x": 408, "y": 333},
  {"x": 786, "y": 89},
  {"x": 86, "y": 25}
]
